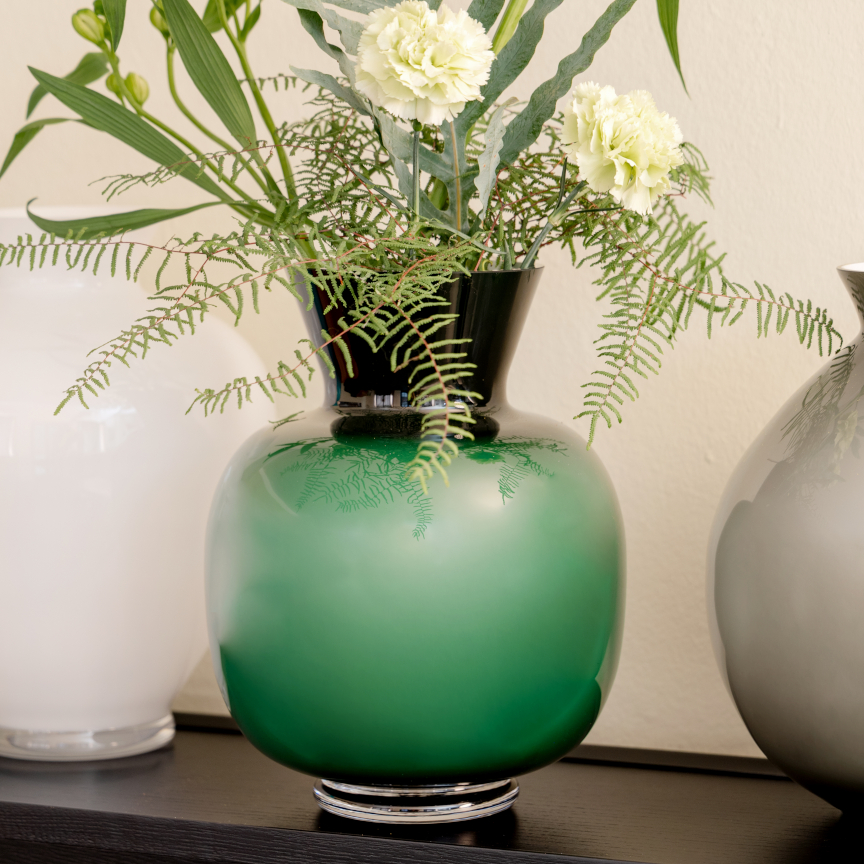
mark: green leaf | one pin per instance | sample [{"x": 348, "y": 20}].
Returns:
[
  {"x": 209, "y": 70},
  {"x": 313, "y": 24},
  {"x": 115, "y": 14},
  {"x": 211, "y": 18},
  {"x": 105, "y": 114},
  {"x": 364, "y": 7},
  {"x": 328, "y": 82},
  {"x": 489, "y": 159},
  {"x": 525, "y": 128},
  {"x": 348, "y": 30},
  {"x": 250, "y": 22},
  {"x": 400, "y": 144},
  {"x": 508, "y": 24},
  {"x": 406, "y": 186},
  {"x": 91, "y": 68},
  {"x": 667, "y": 10},
  {"x": 24, "y": 136},
  {"x": 510, "y": 63},
  {"x": 107, "y": 226},
  {"x": 486, "y": 11}
]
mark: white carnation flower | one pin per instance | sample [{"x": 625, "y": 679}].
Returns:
[
  {"x": 622, "y": 144},
  {"x": 420, "y": 64}
]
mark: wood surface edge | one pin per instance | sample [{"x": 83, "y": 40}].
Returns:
[{"x": 194, "y": 841}]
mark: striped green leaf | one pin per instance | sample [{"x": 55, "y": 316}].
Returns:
[
  {"x": 109, "y": 116},
  {"x": 24, "y": 136},
  {"x": 115, "y": 15},
  {"x": 209, "y": 69},
  {"x": 489, "y": 159},
  {"x": 91, "y": 68},
  {"x": 108, "y": 226},
  {"x": 667, "y": 10}
]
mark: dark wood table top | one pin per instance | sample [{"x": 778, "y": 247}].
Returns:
[{"x": 211, "y": 796}]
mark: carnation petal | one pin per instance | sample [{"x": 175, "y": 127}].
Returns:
[
  {"x": 622, "y": 144},
  {"x": 433, "y": 61}
]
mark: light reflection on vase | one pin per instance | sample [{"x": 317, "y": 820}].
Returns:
[
  {"x": 786, "y": 580},
  {"x": 368, "y": 633}
]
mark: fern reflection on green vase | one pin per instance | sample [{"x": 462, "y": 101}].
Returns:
[{"x": 369, "y": 632}]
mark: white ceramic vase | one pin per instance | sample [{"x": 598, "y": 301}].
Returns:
[{"x": 102, "y": 514}]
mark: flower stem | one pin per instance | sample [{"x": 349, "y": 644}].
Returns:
[
  {"x": 242, "y": 208},
  {"x": 555, "y": 219},
  {"x": 416, "y": 175},
  {"x": 172, "y": 86},
  {"x": 458, "y": 202},
  {"x": 512, "y": 15},
  {"x": 263, "y": 110}
]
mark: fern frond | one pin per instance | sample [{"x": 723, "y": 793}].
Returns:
[{"x": 348, "y": 242}]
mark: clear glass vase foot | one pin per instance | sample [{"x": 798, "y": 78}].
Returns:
[
  {"x": 457, "y": 802},
  {"x": 86, "y": 746}
]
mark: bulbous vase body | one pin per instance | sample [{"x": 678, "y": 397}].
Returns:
[
  {"x": 369, "y": 633},
  {"x": 786, "y": 581},
  {"x": 102, "y": 515}
]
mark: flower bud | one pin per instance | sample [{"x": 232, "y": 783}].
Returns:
[
  {"x": 113, "y": 84},
  {"x": 138, "y": 87},
  {"x": 88, "y": 24},
  {"x": 157, "y": 19}
]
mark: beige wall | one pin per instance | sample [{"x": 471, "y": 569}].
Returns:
[{"x": 776, "y": 105}]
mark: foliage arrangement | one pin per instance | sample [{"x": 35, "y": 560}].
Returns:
[{"x": 410, "y": 169}]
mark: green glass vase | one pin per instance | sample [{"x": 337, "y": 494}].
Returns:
[{"x": 417, "y": 651}]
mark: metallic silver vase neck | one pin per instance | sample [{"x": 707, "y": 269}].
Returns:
[{"x": 852, "y": 276}]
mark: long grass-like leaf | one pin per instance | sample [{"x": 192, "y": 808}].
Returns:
[
  {"x": 667, "y": 11},
  {"x": 24, "y": 136},
  {"x": 105, "y": 114},
  {"x": 115, "y": 15},
  {"x": 116, "y": 223},
  {"x": 209, "y": 69},
  {"x": 91, "y": 68}
]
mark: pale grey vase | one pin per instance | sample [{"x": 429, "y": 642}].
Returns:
[{"x": 786, "y": 580}]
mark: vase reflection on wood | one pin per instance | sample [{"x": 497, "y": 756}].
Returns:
[
  {"x": 786, "y": 594},
  {"x": 417, "y": 650}
]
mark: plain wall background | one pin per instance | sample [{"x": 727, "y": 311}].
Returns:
[{"x": 776, "y": 106}]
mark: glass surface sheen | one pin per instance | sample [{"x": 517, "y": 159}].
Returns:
[{"x": 364, "y": 631}]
